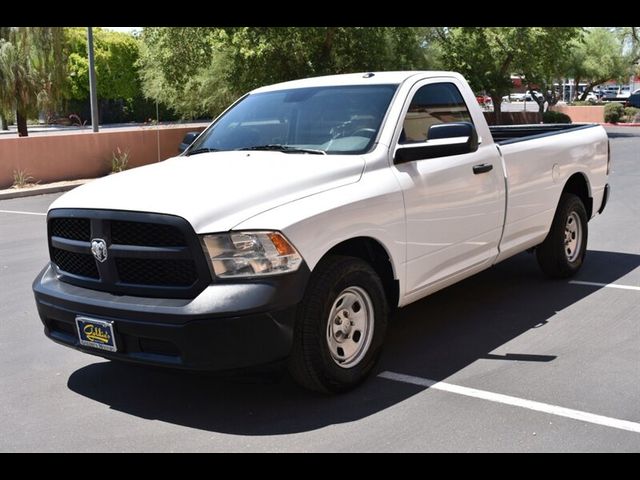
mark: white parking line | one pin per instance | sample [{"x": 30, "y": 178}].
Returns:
[
  {"x": 515, "y": 401},
  {"x": 607, "y": 285},
  {"x": 23, "y": 213}
]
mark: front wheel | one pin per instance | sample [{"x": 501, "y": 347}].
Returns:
[
  {"x": 340, "y": 326},
  {"x": 562, "y": 253}
]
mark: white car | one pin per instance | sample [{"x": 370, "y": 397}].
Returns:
[
  {"x": 625, "y": 92},
  {"x": 302, "y": 215},
  {"x": 591, "y": 97},
  {"x": 610, "y": 92},
  {"x": 514, "y": 97},
  {"x": 528, "y": 96}
]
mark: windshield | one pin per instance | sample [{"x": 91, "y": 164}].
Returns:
[{"x": 331, "y": 120}]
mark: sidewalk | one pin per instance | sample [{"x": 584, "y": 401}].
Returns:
[
  {"x": 36, "y": 130},
  {"x": 31, "y": 190}
]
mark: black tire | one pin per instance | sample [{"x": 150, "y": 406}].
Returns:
[
  {"x": 555, "y": 259},
  {"x": 311, "y": 363}
]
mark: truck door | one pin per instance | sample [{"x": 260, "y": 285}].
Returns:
[{"x": 454, "y": 197}]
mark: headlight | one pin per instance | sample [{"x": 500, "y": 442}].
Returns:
[{"x": 249, "y": 254}]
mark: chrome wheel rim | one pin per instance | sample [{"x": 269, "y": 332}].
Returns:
[
  {"x": 350, "y": 327},
  {"x": 572, "y": 237}
]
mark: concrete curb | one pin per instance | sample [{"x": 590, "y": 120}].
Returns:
[{"x": 41, "y": 189}]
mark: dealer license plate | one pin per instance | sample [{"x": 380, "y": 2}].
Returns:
[{"x": 96, "y": 333}]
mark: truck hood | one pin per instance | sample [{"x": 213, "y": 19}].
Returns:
[{"x": 217, "y": 191}]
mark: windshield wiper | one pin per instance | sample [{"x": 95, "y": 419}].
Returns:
[
  {"x": 201, "y": 150},
  {"x": 285, "y": 149}
]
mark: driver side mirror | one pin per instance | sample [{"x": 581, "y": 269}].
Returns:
[
  {"x": 443, "y": 140},
  {"x": 187, "y": 140}
]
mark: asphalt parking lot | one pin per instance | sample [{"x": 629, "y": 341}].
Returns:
[{"x": 504, "y": 361}]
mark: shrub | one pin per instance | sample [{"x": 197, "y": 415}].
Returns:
[
  {"x": 76, "y": 120},
  {"x": 613, "y": 112},
  {"x": 630, "y": 114},
  {"x": 119, "y": 160},
  {"x": 21, "y": 179},
  {"x": 555, "y": 117}
]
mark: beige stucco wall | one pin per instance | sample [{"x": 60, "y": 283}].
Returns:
[
  {"x": 60, "y": 156},
  {"x": 580, "y": 114}
]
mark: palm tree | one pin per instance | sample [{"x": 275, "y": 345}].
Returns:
[
  {"x": 4, "y": 82},
  {"x": 31, "y": 71}
]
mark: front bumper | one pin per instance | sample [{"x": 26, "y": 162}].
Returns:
[{"x": 227, "y": 326}]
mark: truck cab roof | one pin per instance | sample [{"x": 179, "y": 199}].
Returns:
[{"x": 362, "y": 78}]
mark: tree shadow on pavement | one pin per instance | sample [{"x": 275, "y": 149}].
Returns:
[{"x": 433, "y": 338}]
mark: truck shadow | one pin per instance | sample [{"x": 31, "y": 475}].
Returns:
[{"x": 433, "y": 338}]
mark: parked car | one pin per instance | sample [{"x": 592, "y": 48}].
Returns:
[
  {"x": 591, "y": 97},
  {"x": 633, "y": 100},
  {"x": 522, "y": 97},
  {"x": 485, "y": 102},
  {"x": 609, "y": 92},
  {"x": 616, "y": 93},
  {"x": 535, "y": 94},
  {"x": 624, "y": 92},
  {"x": 302, "y": 216}
]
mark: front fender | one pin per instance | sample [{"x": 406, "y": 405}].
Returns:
[{"x": 372, "y": 207}]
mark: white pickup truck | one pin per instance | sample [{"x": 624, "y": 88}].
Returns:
[{"x": 302, "y": 215}]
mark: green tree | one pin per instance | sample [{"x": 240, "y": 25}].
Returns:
[
  {"x": 546, "y": 61},
  {"x": 298, "y": 52},
  {"x": 48, "y": 62},
  {"x": 597, "y": 58},
  {"x": 179, "y": 67},
  {"x": 488, "y": 56},
  {"x": 116, "y": 55},
  {"x": 485, "y": 56},
  {"x": 200, "y": 70},
  {"x": 120, "y": 96},
  {"x": 31, "y": 69},
  {"x": 630, "y": 38}
]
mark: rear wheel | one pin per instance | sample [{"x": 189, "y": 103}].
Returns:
[
  {"x": 562, "y": 253},
  {"x": 340, "y": 326}
]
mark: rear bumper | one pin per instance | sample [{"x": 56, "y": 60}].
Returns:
[{"x": 227, "y": 326}]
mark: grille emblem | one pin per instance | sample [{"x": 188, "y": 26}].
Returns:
[{"x": 99, "y": 249}]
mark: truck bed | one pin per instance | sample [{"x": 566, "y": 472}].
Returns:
[{"x": 506, "y": 134}]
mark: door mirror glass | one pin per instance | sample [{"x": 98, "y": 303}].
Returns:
[
  {"x": 450, "y": 130},
  {"x": 443, "y": 140}
]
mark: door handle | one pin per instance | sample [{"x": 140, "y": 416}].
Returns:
[{"x": 482, "y": 168}]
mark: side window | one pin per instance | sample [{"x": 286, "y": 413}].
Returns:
[{"x": 432, "y": 104}]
